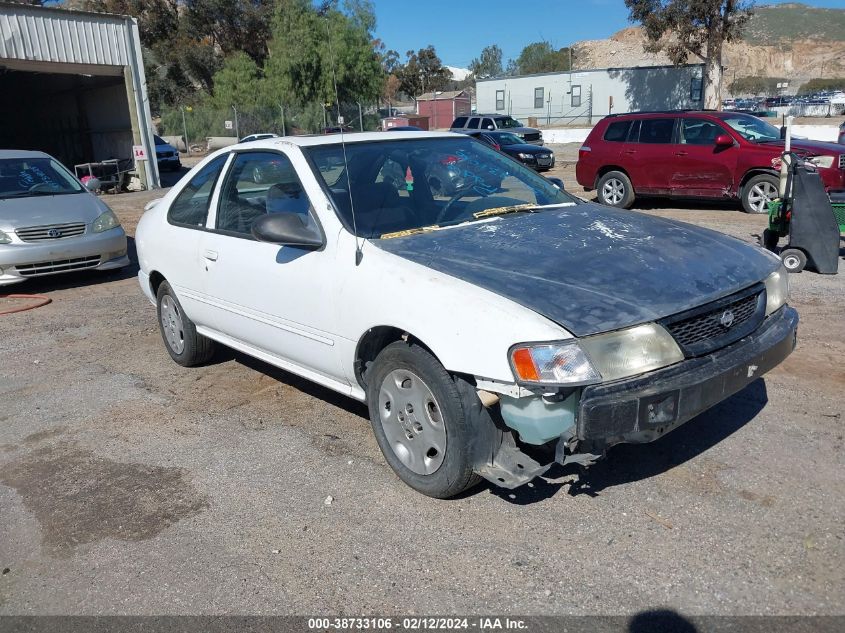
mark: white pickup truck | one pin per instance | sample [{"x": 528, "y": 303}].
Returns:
[{"x": 493, "y": 323}]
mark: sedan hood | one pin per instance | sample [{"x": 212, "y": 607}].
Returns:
[
  {"x": 527, "y": 148},
  {"x": 590, "y": 268},
  {"x": 17, "y": 213}
]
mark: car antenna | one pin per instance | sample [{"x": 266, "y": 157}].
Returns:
[{"x": 324, "y": 12}]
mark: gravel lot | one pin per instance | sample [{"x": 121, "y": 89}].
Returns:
[{"x": 130, "y": 485}]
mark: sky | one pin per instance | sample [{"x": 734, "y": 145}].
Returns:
[{"x": 459, "y": 30}]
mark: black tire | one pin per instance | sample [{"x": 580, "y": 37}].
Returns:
[
  {"x": 196, "y": 349},
  {"x": 614, "y": 189},
  {"x": 793, "y": 259},
  {"x": 769, "y": 240},
  {"x": 756, "y": 189},
  {"x": 454, "y": 474}
]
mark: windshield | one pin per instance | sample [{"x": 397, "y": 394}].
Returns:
[
  {"x": 28, "y": 177},
  {"x": 753, "y": 129},
  {"x": 506, "y": 138},
  {"x": 411, "y": 184},
  {"x": 507, "y": 122}
]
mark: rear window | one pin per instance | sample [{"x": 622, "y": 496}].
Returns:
[
  {"x": 617, "y": 131},
  {"x": 461, "y": 121},
  {"x": 656, "y": 130}
]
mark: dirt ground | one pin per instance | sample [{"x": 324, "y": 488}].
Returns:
[{"x": 130, "y": 485}]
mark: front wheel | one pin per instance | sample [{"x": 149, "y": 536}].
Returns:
[
  {"x": 759, "y": 192},
  {"x": 178, "y": 332},
  {"x": 419, "y": 421},
  {"x": 615, "y": 190}
]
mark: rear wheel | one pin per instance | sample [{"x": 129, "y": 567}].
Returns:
[
  {"x": 793, "y": 259},
  {"x": 759, "y": 192},
  {"x": 615, "y": 190},
  {"x": 419, "y": 422},
  {"x": 178, "y": 332}
]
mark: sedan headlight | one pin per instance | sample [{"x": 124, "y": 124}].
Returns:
[
  {"x": 524, "y": 156},
  {"x": 107, "y": 220},
  {"x": 821, "y": 161},
  {"x": 632, "y": 351},
  {"x": 4, "y": 238},
  {"x": 592, "y": 359},
  {"x": 777, "y": 289}
]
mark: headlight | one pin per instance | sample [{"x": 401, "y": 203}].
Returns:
[
  {"x": 632, "y": 351},
  {"x": 108, "y": 220},
  {"x": 526, "y": 156},
  {"x": 777, "y": 290},
  {"x": 4, "y": 238},
  {"x": 821, "y": 161},
  {"x": 561, "y": 363}
]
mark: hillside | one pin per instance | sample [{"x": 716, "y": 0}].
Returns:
[{"x": 789, "y": 40}]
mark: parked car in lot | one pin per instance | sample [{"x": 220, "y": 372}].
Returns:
[
  {"x": 842, "y": 133},
  {"x": 492, "y": 331},
  {"x": 539, "y": 158},
  {"x": 167, "y": 155},
  {"x": 49, "y": 222},
  {"x": 723, "y": 155},
  {"x": 493, "y": 122}
]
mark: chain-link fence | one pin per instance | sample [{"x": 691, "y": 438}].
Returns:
[{"x": 201, "y": 123}]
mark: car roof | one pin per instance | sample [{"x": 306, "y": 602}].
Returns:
[
  {"x": 714, "y": 113},
  {"x": 348, "y": 137},
  {"x": 22, "y": 153}
]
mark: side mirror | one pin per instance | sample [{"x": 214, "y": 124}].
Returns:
[
  {"x": 92, "y": 183},
  {"x": 286, "y": 229},
  {"x": 557, "y": 182},
  {"x": 724, "y": 140},
  {"x": 490, "y": 127}
]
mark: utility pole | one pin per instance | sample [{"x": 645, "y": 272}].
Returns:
[
  {"x": 282, "y": 108},
  {"x": 237, "y": 130},
  {"x": 185, "y": 128},
  {"x": 360, "y": 117}
]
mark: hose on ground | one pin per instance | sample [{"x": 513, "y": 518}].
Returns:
[{"x": 38, "y": 301}]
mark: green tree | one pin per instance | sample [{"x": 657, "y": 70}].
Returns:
[
  {"x": 755, "y": 85},
  {"x": 693, "y": 27},
  {"x": 238, "y": 83},
  {"x": 541, "y": 57},
  {"x": 488, "y": 64},
  {"x": 822, "y": 85},
  {"x": 423, "y": 72}
]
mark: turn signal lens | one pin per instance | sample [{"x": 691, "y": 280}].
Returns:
[
  {"x": 4, "y": 238},
  {"x": 524, "y": 365},
  {"x": 553, "y": 363}
]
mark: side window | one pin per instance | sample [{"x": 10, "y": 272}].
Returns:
[
  {"x": 461, "y": 121},
  {"x": 576, "y": 97},
  {"x": 538, "y": 98},
  {"x": 695, "y": 89},
  {"x": 259, "y": 183},
  {"x": 500, "y": 100},
  {"x": 634, "y": 134},
  {"x": 617, "y": 131},
  {"x": 473, "y": 123},
  {"x": 656, "y": 130},
  {"x": 191, "y": 205},
  {"x": 486, "y": 124},
  {"x": 699, "y": 132}
]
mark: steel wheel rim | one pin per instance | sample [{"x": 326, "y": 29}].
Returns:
[
  {"x": 791, "y": 262},
  {"x": 171, "y": 324},
  {"x": 613, "y": 191},
  {"x": 761, "y": 195},
  {"x": 412, "y": 421}
]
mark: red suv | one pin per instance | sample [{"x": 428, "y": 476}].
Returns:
[{"x": 695, "y": 155}]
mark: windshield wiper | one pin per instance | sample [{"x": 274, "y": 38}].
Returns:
[
  {"x": 519, "y": 208},
  {"x": 406, "y": 232}
]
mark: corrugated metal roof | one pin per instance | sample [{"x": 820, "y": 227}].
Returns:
[
  {"x": 429, "y": 96},
  {"x": 55, "y": 35}
]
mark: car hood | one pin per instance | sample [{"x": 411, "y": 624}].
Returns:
[
  {"x": 590, "y": 268},
  {"x": 16, "y": 213},
  {"x": 812, "y": 147},
  {"x": 526, "y": 148}
]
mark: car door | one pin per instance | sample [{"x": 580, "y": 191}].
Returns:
[
  {"x": 654, "y": 158},
  {"x": 186, "y": 219},
  {"x": 702, "y": 168},
  {"x": 278, "y": 300}
]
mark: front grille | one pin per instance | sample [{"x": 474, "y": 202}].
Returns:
[
  {"x": 532, "y": 136},
  {"x": 720, "y": 323},
  {"x": 50, "y": 232},
  {"x": 58, "y": 266}
]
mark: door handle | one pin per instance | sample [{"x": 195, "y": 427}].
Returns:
[
  {"x": 681, "y": 153},
  {"x": 210, "y": 255},
  {"x": 630, "y": 151}
]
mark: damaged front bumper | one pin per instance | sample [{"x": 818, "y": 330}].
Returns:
[{"x": 646, "y": 407}]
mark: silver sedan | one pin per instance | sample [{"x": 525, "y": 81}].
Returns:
[{"x": 49, "y": 222}]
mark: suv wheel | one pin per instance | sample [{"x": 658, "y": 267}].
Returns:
[
  {"x": 758, "y": 192},
  {"x": 615, "y": 190}
]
